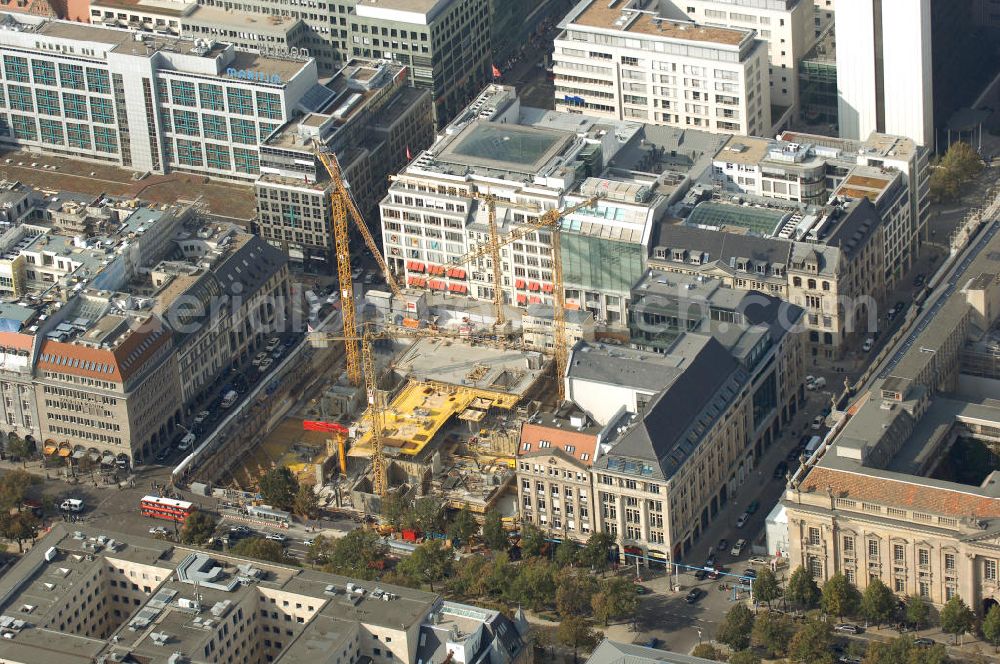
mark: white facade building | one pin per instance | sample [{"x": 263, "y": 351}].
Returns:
[
  {"x": 143, "y": 102},
  {"x": 884, "y": 69},
  {"x": 786, "y": 26},
  {"x": 622, "y": 61}
]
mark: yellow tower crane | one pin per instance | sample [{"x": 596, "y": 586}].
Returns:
[
  {"x": 548, "y": 220},
  {"x": 342, "y": 206}
]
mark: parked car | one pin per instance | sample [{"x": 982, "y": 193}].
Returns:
[
  {"x": 694, "y": 595},
  {"x": 780, "y": 470},
  {"x": 201, "y": 417},
  {"x": 810, "y": 379},
  {"x": 753, "y": 506},
  {"x": 157, "y": 530},
  {"x": 722, "y": 545},
  {"x": 919, "y": 280},
  {"x": 271, "y": 344},
  {"x": 715, "y": 573},
  {"x": 701, "y": 574},
  {"x": 258, "y": 358},
  {"x": 710, "y": 561},
  {"x": 265, "y": 365},
  {"x": 652, "y": 643},
  {"x": 240, "y": 531},
  {"x": 923, "y": 642},
  {"x": 848, "y": 628},
  {"x": 818, "y": 423},
  {"x": 162, "y": 455},
  {"x": 308, "y": 542},
  {"x": 868, "y": 344},
  {"x": 640, "y": 589},
  {"x": 819, "y": 383},
  {"x": 230, "y": 398},
  {"x": 750, "y": 573},
  {"x": 738, "y": 547},
  {"x": 742, "y": 520},
  {"x": 71, "y": 505},
  {"x": 758, "y": 560},
  {"x": 277, "y": 537},
  {"x": 186, "y": 442}
]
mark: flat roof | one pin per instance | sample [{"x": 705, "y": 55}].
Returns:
[
  {"x": 748, "y": 150},
  {"x": 603, "y": 14},
  {"x": 505, "y": 146}
]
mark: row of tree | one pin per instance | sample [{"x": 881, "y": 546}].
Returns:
[
  {"x": 281, "y": 489},
  {"x": 959, "y": 165}
]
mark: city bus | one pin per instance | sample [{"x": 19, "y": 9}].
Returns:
[{"x": 165, "y": 508}]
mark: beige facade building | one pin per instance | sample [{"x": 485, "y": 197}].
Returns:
[{"x": 900, "y": 490}]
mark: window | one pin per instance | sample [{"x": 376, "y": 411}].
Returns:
[
  {"x": 244, "y": 131},
  {"x": 20, "y": 98},
  {"x": 924, "y": 589},
  {"x": 990, "y": 570},
  {"x": 900, "y": 585},
  {"x": 24, "y": 127},
  {"x": 186, "y": 123},
  {"x": 246, "y": 161},
  {"x": 240, "y": 101},
  {"x": 16, "y": 68},
  {"x": 101, "y": 110},
  {"x": 848, "y": 544},
  {"x": 211, "y": 97},
  {"x": 105, "y": 139},
  {"x": 873, "y": 548},
  {"x": 97, "y": 81},
  {"x": 71, "y": 76},
  {"x": 268, "y": 105},
  {"x": 215, "y": 127},
  {"x": 815, "y": 567},
  {"x": 897, "y": 553},
  {"x": 44, "y": 72},
  {"x": 48, "y": 102},
  {"x": 52, "y": 131},
  {"x": 78, "y": 135},
  {"x": 218, "y": 156},
  {"x": 75, "y": 106},
  {"x": 182, "y": 92},
  {"x": 949, "y": 561},
  {"x": 814, "y": 536},
  {"x": 923, "y": 557}
]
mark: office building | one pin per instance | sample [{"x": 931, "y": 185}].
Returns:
[
  {"x": 623, "y": 61},
  {"x": 105, "y": 596},
  {"x": 786, "y": 26},
  {"x": 144, "y": 102},
  {"x": 443, "y": 44},
  {"x": 371, "y": 120}
]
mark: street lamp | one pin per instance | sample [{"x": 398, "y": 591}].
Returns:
[{"x": 699, "y": 635}]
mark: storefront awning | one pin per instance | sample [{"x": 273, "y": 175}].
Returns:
[{"x": 65, "y": 451}]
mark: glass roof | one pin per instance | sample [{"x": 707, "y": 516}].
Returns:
[{"x": 761, "y": 221}]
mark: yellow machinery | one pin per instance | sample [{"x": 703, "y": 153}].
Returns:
[
  {"x": 342, "y": 205},
  {"x": 549, "y": 220}
]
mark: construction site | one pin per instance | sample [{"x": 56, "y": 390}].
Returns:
[{"x": 401, "y": 391}]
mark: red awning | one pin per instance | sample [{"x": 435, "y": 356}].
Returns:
[
  {"x": 534, "y": 299},
  {"x": 456, "y": 273},
  {"x": 519, "y": 283},
  {"x": 435, "y": 269},
  {"x": 416, "y": 281},
  {"x": 521, "y": 299},
  {"x": 457, "y": 288},
  {"x": 437, "y": 284},
  {"x": 415, "y": 266},
  {"x": 547, "y": 288},
  {"x": 533, "y": 286}
]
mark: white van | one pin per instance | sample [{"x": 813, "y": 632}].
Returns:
[
  {"x": 186, "y": 442},
  {"x": 71, "y": 505},
  {"x": 230, "y": 398},
  {"x": 812, "y": 446}
]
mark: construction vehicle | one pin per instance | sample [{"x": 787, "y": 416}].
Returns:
[
  {"x": 332, "y": 427},
  {"x": 342, "y": 206},
  {"x": 548, "y": 220}
]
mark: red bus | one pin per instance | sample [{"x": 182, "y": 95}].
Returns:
[{"x": 165, "y": 508}]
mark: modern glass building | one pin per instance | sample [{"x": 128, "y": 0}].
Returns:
[{"x": 143, "y": 102}]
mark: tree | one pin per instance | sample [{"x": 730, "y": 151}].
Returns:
[
  {"x": 902, "y": 650},
  {"x": 917, "y": 611},
  {"x": 573, "y": 593},
  {"x": 20, "y": 448},
  {"x": 14, "y": 487},
  {"x": 736, "y": 627},
  {"x": 566, "y": 553},
  {"x": 306, "y": 502},
  {"x": 840, "y": 598},
  {"x": 802, "y": 589},
  {"x": 428, "y": 515},
  {"x": 532, "y": 540},
  {"x": 535, "y": 584},
  {"x": 262, "y": 549},
  {"x": 877, "y": 602},
  {"x": 771, "y": 632},
  {"x": 811, "y": 644},
  {"x": 615, "y": 599},
  {"x": 494, "y": 534},
  {"x": 395, "y": 509},
  {"x": 958, "y": 166},
  {"x": 744, "y": 657},
  {"x": 595, "y": 553},
  {"x": 765, "y": 587},
  {"x": 198, "y": 528},
  {"x": 19, "y": 527},
  {"x": 359, "y": 553},
  {"x": 708, "y": 651},
  {"x": 991, "y": 625},
  {"x": 575, "y": 632},
  {"x": 956, "y": 617},
  {"x": 429, "y": 562},
  {"x": 278, "y": 486},
  {"x": 463, "y": 526}
]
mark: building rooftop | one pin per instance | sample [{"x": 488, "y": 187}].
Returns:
[
  {"x": 510, "y": 147},
  {"x": 613, "y": 652},
  {"x": 632, "y": 16}
]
